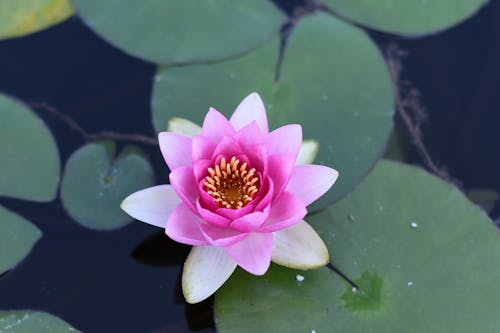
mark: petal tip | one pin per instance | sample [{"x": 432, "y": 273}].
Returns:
[
  {"x": 183, "y": 126},
  {"x": 300, "y": 247},
  {"x": 193, "y": 296},
  {"x": 334, "y": 176},
  {"x": 308, "y": 152},
  {"x": 123, "y": 205},
  {"x": 206, "y": 269},
  {"x": 250, "y": 108}
]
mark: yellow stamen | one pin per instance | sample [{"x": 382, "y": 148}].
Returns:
[{"x": 231, "y": 186}]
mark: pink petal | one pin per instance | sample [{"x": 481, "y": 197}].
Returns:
[
  {"x": 152, "y": 205},
  {"x": 310, "y": 181},
  {"x": 265, "y": 194},
  {"x": 215, "y": 126},
  {"x": 221, "y": 236},
  {"x": 183, "y": 181},
  {"x": 250, "y": 222},
  {"x": 280, "y": 169},
  {"x": 202, "y": 148},
  {"x": 176, "y": 149},
  {"x": 285, "y": 212},
  {"x": 249, "y": 135},
  {"x": 206, "y": 200},
  {"x": 200, "y": 169},
  {"x": 183, "y": 226},
  {"x": 250, "y": 109},
  {"x": 285, "y": 140},
  {"x": 253, "y": 253},
  {"x": 257, "y": 156},
  {"x": 233, "y": 214},
  {"x": 227, "y": 147},
  {"x": 211, "y": 217}
]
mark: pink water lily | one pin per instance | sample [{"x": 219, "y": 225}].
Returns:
[{"x": 237, "y": 195}]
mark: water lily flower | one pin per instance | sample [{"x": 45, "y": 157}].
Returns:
[{"x": 237, "y": 195}]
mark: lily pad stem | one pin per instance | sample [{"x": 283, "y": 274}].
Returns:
[
  {"x": 104, "y": 135},
  {"x": 411, "y": 111}
]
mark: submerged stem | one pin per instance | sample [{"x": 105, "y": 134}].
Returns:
[
  {"x": 86, "y": 136},
  {"x": 410, "y": 109}
]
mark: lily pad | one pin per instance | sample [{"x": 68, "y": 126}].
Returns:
[
  {"x": 17, "y": 238},
  {"x": 406, "y": 17},
  {"x": 22, "y": 17},
  {"x": 333, "y": 82},
  {"x": 182, "y": 31},
  {"x": 95, "y": 183},
  {"x": 29, "y": 155},
  {"x": 424, "y": 257},
  {"x": 32, "y": 321}
]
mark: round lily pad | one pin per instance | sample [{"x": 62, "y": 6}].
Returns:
[
  {"x": 425, "y": 259},
  {"x": 333, "y": 82},
  {"x": 32, "y": 321},
  {"x": 22, "y": 17},
  {"x": 17, "y": 238},
  {"x": 28, "y": 153},
  {"x": 95, "y": 183},
  {"x": 406, "y": 17},
  {"x": 182, "y": 31}
]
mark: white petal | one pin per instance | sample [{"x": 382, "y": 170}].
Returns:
[
  {"x": 152, "y": 205},
  {"x": 183, "y": 126},
  {"x": 299, "y": 247},
  {"x": 308, "y": 152},
  {"x": 205, "y": 270}
]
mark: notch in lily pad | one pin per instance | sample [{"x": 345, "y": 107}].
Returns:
[
  {"x": 95, "y": 181},
  {"x": 322, "y": 53},
  {"x": 442, "y": 277}
]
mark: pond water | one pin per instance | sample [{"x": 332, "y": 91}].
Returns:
[{"x": 129, "y": 280}]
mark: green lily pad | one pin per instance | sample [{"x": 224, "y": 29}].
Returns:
[
  {"x": 32, "y": 321},
  {"x": 406, "y": 17},
  {"x": 30, "y": 159},
  {"x": 23, "y": 17},
  {"x": 17, "y": 238},
  {"x": 95, "y": 183},
  {"x": 424, "y": 257},
  {"x": 182, "y": 31},
  {"x": 333, "y": 82}
]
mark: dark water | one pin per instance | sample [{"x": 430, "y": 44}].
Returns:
[{"x": 109, "y": 282}]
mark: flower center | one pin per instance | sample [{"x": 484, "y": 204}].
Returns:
[{"x": 230, "y": 184}]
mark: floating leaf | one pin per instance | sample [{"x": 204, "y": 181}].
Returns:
[
  {"x": 94, "y": 184},
  {"x": 17, "y": 238},
  {"x": 180, "y": 31},
  {"x": 30, "y": 160},
  {"x": 333, "y": 82},
  {"x": 406, "y": 17},
  {"x": 22, "y": 17},
  {"x": 32, "y": 321},
  {"x": 424, "y": 257}
]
